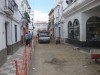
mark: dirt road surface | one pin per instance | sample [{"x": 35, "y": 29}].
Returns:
[{"x": 57, "y": 59}]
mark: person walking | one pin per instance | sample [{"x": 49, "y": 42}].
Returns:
[
  {"x": 26, "y": 38},
  {"x": 29, "y": 37}
]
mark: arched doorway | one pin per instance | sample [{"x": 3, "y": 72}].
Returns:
[
  {"x": 70, "y": 30},
  {"x": 76, "y": 29},
  {"x": 93, "y": 29}
]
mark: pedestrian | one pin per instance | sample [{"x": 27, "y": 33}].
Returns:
[
  {"x": 26, "y": 39},
  {"x": 51, "y": 36},
  {"x": 29, "y": 37}
]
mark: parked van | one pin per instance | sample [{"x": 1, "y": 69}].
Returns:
[{"x": 43, "y": 36}]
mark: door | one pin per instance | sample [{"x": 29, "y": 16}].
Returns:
[
  {"x": 59, "y": 33},
  {"x": 6, "y": 36}
]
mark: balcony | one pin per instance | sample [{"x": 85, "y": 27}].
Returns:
[
  {"x": 75, "y": 6},
  {"x": 25, "y": 18},
  {"x": 9, "y": 7}
]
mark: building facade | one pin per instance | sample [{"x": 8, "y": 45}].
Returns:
[
  {"x": 10, "y": 28},
  {"x": 58, "y": 21},
  {"x": 25, "y": 18},
  {"x": 51, "y": 24},
  {"x": 31, "y": 24},
  {"x": 82, "y": 22}
]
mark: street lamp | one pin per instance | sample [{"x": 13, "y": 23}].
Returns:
[{"x": 29, "y": 9}]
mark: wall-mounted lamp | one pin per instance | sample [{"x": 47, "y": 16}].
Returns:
[{"x": 29, "y": 9}]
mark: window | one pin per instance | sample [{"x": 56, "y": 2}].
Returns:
[
  {"x": 93, "y": 29},
  {"x": 43, "y": 34},
  {"x": 62, "y": 9},
  {"x": 70, "y": 30},
  {"x": 11, "y": 5},
  {"x": 58, "y": 13},
  {"x": 76, "y": 29},
  {"x": 15, "y": 33}
]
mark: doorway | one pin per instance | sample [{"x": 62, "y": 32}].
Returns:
[
  {"x": 6, "y": 35},
  {"x": 59, "y": 33}
]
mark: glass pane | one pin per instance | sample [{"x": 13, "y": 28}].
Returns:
[
  {"x": 93, "y": 29},
  {"x": 76, "y": 29},
  {"x": 44, "y": 34},
  {"x": 71, "y": 31}
]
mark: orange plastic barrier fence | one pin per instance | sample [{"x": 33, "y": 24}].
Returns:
[
  {"x": 23, "y": 68},
  {"x": 16, "y": 62}
]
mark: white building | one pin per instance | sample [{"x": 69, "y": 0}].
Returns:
[
  {"x": 10, "y": 28},
  {"x": 82, "y": 22},
  {"x": 25, "y": 11},
  {"x": 39, "y": 21},
  {"x": 31, "y": 24},
  {"x": 31, "y": 27},
  {"x": 58, "y": 21}
]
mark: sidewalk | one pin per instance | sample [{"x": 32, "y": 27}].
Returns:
[{"x": 9, "y": 67}]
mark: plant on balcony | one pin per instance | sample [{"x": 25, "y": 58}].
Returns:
[{"x": 26, "y": 16}]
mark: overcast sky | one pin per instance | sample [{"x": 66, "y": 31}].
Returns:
[
  {"x": 40, "y": 16},
  {"x": 41, "y": 9}
]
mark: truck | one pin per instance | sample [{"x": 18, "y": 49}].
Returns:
[{"x": 43, "y": 36}]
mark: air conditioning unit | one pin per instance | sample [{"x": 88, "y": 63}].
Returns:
[{"x": 9, "y": 7}]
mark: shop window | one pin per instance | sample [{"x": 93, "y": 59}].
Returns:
[
  {"x": 76, "y": 29},
  {"x": 70, "y": 30},
  {"x": 93, "y": 29}
]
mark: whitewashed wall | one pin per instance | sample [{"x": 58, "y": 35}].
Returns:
[
  {"x": 71, "y": 18},
  {"x": 64, "y": 4},
  {"x": 30, "y": 26},
  {"x": 2, "y": 33},
  {"x": 9, "y": 33},
  {"x": 18, "y": 32},
  {"x": 2, "y": 4}
]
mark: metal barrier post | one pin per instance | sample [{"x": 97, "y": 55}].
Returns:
[{"x": 25, "y": 69}]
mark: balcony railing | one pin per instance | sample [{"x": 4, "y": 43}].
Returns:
[{"x": 11, "y": 5}]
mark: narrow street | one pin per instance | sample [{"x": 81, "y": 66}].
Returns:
[
  {"x": 71, "y": 28},
  {"x": 57, "y": 59}
]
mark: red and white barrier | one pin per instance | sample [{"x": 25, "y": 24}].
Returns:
[{"x": 23, "y": 68}]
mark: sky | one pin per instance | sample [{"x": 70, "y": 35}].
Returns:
[
  {"x": 39, "y": 16},
  {"x": 41, "y": 9},
  {"x": 42, "y": 5}
]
